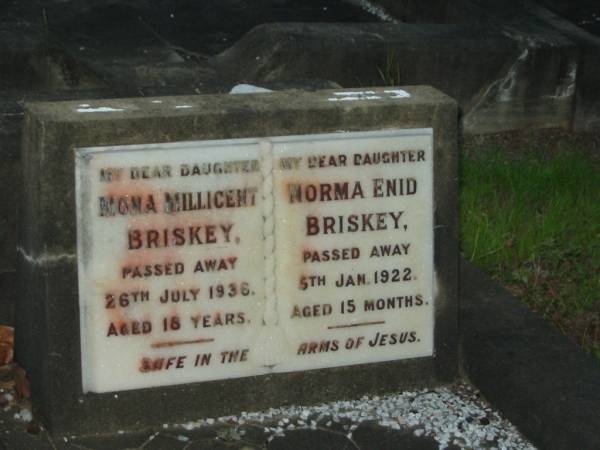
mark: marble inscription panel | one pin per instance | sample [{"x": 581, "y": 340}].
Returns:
[
  {"x": 355, "y": 247},
  {"x": 222, "y": 259}
]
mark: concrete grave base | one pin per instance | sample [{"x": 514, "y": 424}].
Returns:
[{"x": 536, "y": 378}]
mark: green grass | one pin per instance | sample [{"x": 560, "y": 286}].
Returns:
[{"x": 534, "y": 223}]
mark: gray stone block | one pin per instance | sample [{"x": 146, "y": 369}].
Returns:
[
  {"x": 455, "y": 59},
  {"x": 47, "y": 341},
  {"x": 505, "y": 74}
]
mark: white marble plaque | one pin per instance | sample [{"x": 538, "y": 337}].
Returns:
[
  {"x": 222, "y": 259},
  {"x": 170, "y": 262},
  {"x": 355, "y": 247}
]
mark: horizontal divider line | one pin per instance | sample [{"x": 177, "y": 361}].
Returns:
[
  {"x": 176, "y": 343},
  {"x": 351, "y": 325}
]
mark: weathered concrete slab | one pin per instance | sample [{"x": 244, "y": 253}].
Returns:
[
  {"x": 586, "y": 115},
  {"x": 11, "y": 126},
  {"x": 505, "y": 76},
  {"x": 433, "y": 11},
  {"x": 535, "y": 89},
  {"x": 124, "y": 52},
  {"x": 363, "y": 54}
]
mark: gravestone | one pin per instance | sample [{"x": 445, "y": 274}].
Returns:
[{"x": 187, "y": 257}]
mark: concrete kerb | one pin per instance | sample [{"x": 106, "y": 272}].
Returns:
[{"x": 538, "y": 378}]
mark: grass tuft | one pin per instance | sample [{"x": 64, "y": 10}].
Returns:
[{"x": 534, "y": 223}]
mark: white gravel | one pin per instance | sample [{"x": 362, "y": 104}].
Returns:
[{"x": 450, "y": 415}]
